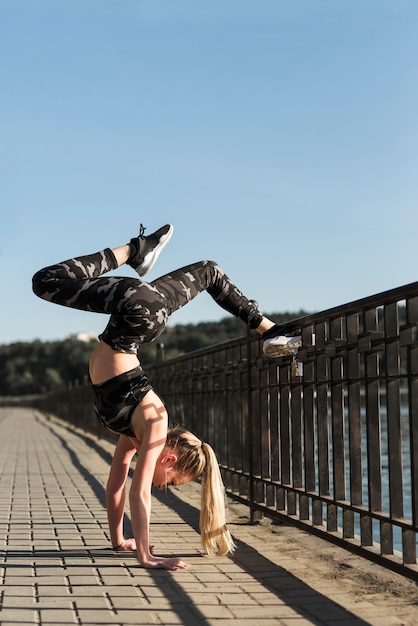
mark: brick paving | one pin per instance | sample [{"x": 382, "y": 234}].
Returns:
[{"x": 56, "y": 566}]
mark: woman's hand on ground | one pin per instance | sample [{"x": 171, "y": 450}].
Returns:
[{"x": 157, "y": 562}]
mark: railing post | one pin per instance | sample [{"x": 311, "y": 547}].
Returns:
[
  {"x": 255, "y": 515},
  {"x": 160, "y": 352}
]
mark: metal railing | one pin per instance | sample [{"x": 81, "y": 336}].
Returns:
[{"x": 328, "y": 441}]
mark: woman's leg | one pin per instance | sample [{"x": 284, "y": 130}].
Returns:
[
  {"x": 77, "y": 282},
  {"x": 71, "y": 283},
  {"x": 182, "y": 285},
  {"x": 137, "y": 315},
  {"x": 137, "y": 311}
]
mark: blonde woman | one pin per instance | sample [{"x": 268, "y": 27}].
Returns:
[{"x": 124, "y": 398}]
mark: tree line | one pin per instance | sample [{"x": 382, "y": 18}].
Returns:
[{"x": 40, "y": 367}]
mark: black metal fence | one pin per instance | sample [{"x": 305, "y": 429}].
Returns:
[{"x": 328, "y": 441}]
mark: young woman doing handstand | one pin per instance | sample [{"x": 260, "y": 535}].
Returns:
[{"x": 125, "y": 400}]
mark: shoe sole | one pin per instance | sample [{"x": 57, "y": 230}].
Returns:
[
  {"x": 271, "y": 349},
  {"x": 152, "y": 256}
]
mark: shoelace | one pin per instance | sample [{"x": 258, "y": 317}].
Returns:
[{"x": 142, "y": 230}]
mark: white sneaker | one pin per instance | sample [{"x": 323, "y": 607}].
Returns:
[{"x": 278, "y": 343}]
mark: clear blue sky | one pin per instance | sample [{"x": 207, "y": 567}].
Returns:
[{"x": 280, "y": 137}]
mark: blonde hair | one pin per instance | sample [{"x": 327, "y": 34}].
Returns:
[{"x": 197, "y": 459}]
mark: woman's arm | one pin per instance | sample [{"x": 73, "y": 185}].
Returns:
[
  {"x": 115, "y": 491},
  {"x": 149, "y": 423}
]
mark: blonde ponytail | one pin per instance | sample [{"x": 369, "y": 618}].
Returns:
[
  {"x": 216, "y": 538},
  {"x": 198, "y": 459}
]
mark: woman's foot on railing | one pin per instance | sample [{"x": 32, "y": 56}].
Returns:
[{"x": 281, "y": 341}]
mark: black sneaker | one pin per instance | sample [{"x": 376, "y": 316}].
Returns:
[
  {"x": 145, "y": 250},
  {"x": 281, "y": 341}
]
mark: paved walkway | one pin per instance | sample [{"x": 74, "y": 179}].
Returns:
[{"x": 56, "y": 567}]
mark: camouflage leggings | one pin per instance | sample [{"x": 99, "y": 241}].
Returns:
[{"x": 138, "y": 310}]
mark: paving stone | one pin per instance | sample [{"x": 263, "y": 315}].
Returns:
[{"x": 17, "y": 615}]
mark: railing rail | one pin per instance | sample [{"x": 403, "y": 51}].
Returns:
[{"x": 328, "y": 441}]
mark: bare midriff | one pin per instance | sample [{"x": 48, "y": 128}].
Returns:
[{"x": 106, "y": 363}]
